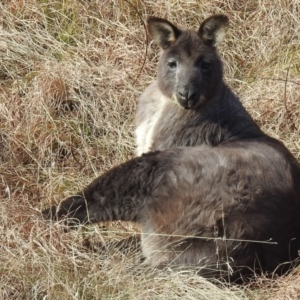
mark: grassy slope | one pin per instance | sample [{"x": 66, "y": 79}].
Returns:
[{"x": 69, "y": 80}]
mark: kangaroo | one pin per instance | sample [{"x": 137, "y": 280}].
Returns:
[{"x": 212, "y": 190}]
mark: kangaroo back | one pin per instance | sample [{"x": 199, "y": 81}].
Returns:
[{"x": 228, "y": 211}]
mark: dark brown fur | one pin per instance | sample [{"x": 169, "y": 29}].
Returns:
[{"x": 230, "y": 204}]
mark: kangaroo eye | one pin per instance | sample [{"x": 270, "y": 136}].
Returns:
[
  {"x": 205, "y": 67},
  {"x": 172, "y": 64}
]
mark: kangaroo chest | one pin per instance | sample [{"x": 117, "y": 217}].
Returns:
[
  {"x": 167, "y": 127},
  {"x": 162, "y": 124},
  {"x": 146, "y": 128}
]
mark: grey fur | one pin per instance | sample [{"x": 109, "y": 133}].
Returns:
[
  {"x": 219, "y": 194},
  {"x": 214, "y": 115}
]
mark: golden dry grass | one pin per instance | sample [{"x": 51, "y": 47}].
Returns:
[{"x": 70, "y": 74}]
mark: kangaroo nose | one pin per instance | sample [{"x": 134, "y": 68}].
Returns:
[
  {"x": 184, "y": 95},
  {"x": 187, "y": 97}
]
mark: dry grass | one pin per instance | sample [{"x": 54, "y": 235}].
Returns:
[{"x": 69, "y": 80}]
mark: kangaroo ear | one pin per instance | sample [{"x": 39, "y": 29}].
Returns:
[
  {"x": 213, "y": 29},
  {"x": 162, "y": 32}
]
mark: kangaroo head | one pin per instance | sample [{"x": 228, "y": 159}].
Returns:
[{"x": 190, "y": 69}]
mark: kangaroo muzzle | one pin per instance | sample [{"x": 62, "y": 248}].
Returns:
[{"x": 188, "y": 97}]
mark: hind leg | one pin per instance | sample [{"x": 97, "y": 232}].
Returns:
[{"x": 119, "y": 194}]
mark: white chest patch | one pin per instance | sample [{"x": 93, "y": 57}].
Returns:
[{"x": 145, "y": 131}]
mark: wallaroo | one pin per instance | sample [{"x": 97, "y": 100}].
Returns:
[{"x": 207, "y": 186}]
